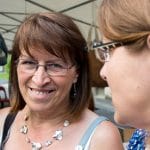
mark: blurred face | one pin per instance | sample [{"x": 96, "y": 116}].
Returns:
[
  {"x": 127, "y": 74},
  {"x": 42, "y": 87}
]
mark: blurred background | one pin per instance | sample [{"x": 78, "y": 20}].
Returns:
[{"x": 12, "y": 12}]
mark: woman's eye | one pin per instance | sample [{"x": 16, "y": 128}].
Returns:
[
  {"x": 55, "y": 66},
  {"x": 28, "y": 62}
]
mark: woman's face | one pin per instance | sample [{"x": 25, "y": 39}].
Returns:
[
  {"x": 40, "y": 90},
  {"x": 127, "y": 74}
]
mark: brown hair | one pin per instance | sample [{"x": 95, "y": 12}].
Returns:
[
  {"x": 126, "y": 21},
  {"x": 59, "y": 35}
]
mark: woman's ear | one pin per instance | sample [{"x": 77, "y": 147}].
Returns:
[{"x": 148, "y": 41}]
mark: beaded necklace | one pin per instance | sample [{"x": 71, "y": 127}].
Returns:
[
  {"x": 58, "y": 135},
  {"x": 138, "y": 140}
]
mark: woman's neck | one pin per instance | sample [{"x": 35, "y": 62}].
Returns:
[{"x": 53, "y": 116}]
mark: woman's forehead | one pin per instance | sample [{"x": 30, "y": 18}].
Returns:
[{"x": 40, "y": 53}]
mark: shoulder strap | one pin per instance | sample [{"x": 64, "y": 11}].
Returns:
[
  {"x": 8, "y": 121},
  {"x": 90, "y": 129}
]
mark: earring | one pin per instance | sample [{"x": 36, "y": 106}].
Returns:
[{"x": 74, "y": 90}]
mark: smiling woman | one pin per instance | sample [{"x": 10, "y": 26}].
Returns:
[{"x": 50, "y": 89}]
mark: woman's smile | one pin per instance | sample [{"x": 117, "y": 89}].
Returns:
[{"x": 40, "y": 94}]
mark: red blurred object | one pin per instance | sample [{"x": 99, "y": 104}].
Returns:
[{"x": 3, "y": 99}]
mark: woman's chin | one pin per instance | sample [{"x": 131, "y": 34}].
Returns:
[{"x": 120, "y": 120}]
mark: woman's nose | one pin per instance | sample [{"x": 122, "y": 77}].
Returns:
[
  {"x": 103, "y": 72},
  {"x": 40, "y": 76}
]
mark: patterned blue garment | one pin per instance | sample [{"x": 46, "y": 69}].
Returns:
[{"x": 137, "y": 141}]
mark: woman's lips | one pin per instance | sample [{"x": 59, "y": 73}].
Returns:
[{"x": 40, "y": 94}]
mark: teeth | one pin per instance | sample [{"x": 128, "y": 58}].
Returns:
[{"x": 39, "y": 92}]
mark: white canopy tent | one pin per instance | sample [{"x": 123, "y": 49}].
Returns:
[{"x": 12, "y": 12}]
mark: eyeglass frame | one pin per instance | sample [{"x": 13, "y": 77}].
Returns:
[
  {"x": 104, "y": 48},
  {"x": 37, "y": 65}
]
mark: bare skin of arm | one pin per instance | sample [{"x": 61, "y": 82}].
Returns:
[
  {"x": 3, "y": 114},
  {"x": 106, "y": 137}
]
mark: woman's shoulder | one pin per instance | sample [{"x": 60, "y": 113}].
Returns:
[
  {"x": 107, "y": 136},
  {"x": 107, "y": 127},
  {"x": 3, "y": 113}
]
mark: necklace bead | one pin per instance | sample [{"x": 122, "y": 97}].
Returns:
[
  {"x": 24, "y": 129},
  {"x": 48, "y": 142},
  {"x": 66, "y": 123},
  {"x": 36, "y": 146},
  {"x": 58, "y": 135}
]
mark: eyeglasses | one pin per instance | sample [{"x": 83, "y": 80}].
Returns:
[
  {"x": 52, "y": 69},
  {"x": 102, "y": 50}
]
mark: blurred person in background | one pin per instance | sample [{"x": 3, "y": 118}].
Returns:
[{"x": 3, "y": 51}]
